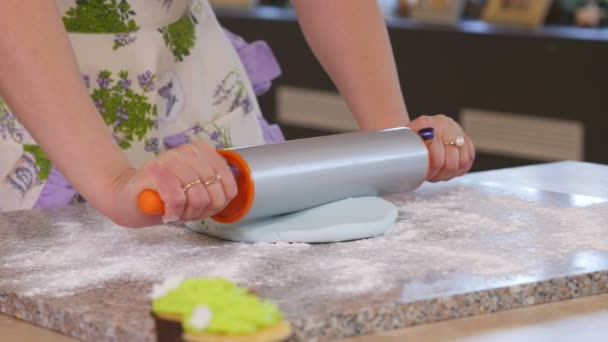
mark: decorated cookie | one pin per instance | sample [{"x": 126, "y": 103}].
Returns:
[{"x": 214, "y": 309}]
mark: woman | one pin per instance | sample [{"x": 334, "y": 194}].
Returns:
[{"x": 165, "y": 79}]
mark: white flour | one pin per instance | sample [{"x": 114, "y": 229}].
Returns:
[{"x": 462, "y": 231}]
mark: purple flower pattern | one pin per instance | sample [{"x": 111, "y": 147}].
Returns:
[
  {"x": 232, "y": 90},
  {"x": 9, "y": 125},
  {"x": 121, "y": 116},
  {"x": 123, "y": 39},
  {"x": 146, "y": 81},
  {"x": 24, "y": 175},
  {"x": 125, "y": 83},
  {"x": 99, "y": 105},
  {"x": 166, "y": 92},
  {"x": 152, "y": 145},
  {"x": 126, "y": 110},
  {"x": 215, "y": 135},
  {"x": 196, "y": 129},
  {"x": 103, "y": 82}
]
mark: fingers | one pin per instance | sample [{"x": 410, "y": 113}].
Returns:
[
  {"x": 471, "y": 148},
  {"x": 467, "y": 155},
  {"x": 436, "y": 152},
  {"x": 450, "y": 167},
  {"x": 221, "y": 167},
  {"x": 169, "y": 188},
  {"x": 186, "y": 164},
  {"x": 421, "y": 122},
  {"x": 193, "y": 181},
  {"x": 447, "y": 160},
  {"x": 463, "y": 161},
  {"x": 205, "y": 163}
]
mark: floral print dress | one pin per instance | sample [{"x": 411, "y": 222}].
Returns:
[{"x": 161, "y": 73}]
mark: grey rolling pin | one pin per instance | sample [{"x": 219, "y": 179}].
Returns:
[{"x": 299, "y": 174}]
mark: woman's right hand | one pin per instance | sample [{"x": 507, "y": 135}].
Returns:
[{"x": 169, "y": 175}]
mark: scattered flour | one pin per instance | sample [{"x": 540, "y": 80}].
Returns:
[{"x": 453, "y": 232}]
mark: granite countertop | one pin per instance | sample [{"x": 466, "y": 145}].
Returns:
[{"x": 487, "y": 242}]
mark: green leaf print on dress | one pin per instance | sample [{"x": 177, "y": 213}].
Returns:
[
  {"x": 128, "y": 113},
  {"x": 179, "y": 37},
  {"x": 103, "y": 16},
  {"x": 42, "y": 161}
]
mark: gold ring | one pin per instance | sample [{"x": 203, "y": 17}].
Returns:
[
  {"x": 212, "y": 180},
  {"x": 458, "y": 142},
  {"x": 191, "y": 184}
]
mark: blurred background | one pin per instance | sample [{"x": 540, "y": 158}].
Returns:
[{"x": 528, "y": 88}]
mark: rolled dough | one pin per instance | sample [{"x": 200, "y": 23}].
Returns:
[{"x": 348, "y": 219}]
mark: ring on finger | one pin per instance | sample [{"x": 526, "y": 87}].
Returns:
[
  {"x": 212, "y": 180},
  {"x": 191, "y": 184},
  {"x": 458, "y": 141}
]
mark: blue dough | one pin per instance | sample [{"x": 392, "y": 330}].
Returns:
[{"x": 348, "y": 219}]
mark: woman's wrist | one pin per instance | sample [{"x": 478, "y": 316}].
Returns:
[
  {"x": 383, "y": 121},
  {"x": 108, "y": 192}
]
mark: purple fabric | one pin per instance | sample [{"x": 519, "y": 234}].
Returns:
[
  {"x": 176, "y": 140},
  {"x": 262, "y": 67},
  {"x": 56, "y": 191},
  {"x": 272, "y": 133},
  {"x": 259, "y": 61}
]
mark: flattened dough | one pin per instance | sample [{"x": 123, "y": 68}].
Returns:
[{"x": 349, "y": 219}]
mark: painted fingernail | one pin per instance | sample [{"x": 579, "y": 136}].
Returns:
[
  {"x": 235, "y": 170},
  {"x": 427, "y": 133}
]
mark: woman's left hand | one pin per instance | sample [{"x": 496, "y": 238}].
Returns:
[{"x": 451, "y": 152}]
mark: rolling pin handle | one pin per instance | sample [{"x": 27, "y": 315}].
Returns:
[{"x": 149, "y": 202}]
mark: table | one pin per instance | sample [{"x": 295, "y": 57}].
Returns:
[{"x": 487, "y": 242}]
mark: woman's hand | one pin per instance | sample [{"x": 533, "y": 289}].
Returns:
[
  {"x": 451, "y": 152},
  {"x": 193, "y": 181}
]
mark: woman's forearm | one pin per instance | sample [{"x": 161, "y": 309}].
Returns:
[
  {"x": 41, "y": 83},
  {"x": 350, "y": 40}
]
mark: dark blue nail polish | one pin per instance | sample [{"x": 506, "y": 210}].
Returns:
[
  {"x": 427, "y": 133},
  {"x": 235, "y": 170}
]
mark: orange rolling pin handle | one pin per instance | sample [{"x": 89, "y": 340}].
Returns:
[{"x": 149, "y": 202}]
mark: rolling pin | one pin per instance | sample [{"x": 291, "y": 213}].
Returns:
[{"x": 300, "y": 174}]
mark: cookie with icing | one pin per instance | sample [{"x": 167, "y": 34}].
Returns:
[{"x": 214, "y": 309}]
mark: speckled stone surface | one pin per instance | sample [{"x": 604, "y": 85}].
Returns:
[{"x": 487, "y": 242}]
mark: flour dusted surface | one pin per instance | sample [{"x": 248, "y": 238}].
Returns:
[{"x": 441, "y": 233}]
